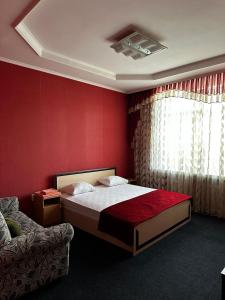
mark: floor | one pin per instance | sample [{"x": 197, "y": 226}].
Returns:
[{"x": 184, "y": 265}]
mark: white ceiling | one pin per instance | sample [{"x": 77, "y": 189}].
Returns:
[{"x": 72, "y": 38}]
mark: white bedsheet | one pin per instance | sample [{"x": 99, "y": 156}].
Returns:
[{"x": 104, "y": 197}]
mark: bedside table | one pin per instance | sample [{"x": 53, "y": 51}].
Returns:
[
  {"x": 47, "y": 212},
  {"x": 132, "y": 180}
]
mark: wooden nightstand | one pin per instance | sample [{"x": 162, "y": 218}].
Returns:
[
  {"x": 132, "y": 180},
  {"x": 47, "y": 212}
]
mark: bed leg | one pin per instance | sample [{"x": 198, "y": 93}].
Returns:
[{"x": 134, "y": 252}]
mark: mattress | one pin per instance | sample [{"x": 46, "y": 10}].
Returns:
[{"x": 91, "y": 204}]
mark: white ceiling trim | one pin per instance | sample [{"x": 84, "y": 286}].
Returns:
[
  {"x": 199, "y": 65},
  {"x": 56, "y": 37},
  {"x": 134, "y": 77},
  {"x": 27, "y": 35},
  {"x": 45, "y": 70},
  {"x": 77, "y": 64}
]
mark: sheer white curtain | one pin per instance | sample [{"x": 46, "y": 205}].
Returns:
[
  {"x": 179, "y": 145},
  {"x": 188, "y": 137}
]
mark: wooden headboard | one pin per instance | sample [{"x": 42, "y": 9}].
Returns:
[{"x": 91, "y": 176}]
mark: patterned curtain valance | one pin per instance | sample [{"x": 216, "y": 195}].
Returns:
[{"x": 208, "y": 89}]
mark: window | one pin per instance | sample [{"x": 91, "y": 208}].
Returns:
[{"x": 187, "y": 136}]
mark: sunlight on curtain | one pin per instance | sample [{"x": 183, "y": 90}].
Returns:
[
  {"x": 188, "y": 137},
  {"x": 179, "y": 142}
]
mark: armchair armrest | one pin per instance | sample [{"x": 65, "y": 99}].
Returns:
[
  {"x": 9, "y": 204},
  {"x": 35, "y": 242}
]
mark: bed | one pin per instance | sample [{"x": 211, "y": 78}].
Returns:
[{"x": 83, "y": 211}]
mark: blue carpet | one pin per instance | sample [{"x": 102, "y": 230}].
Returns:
[{"x": 184, "y": 265}]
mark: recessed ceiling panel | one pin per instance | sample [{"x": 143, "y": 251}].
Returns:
[{"x": 78, "y": 35}]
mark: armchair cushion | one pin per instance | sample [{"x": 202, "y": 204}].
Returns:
[
  {"x": 36, "y": 257},
  {"x": 9, "y": 204},
  {"x": 5, "y": 236},
  {"x": 26, "y": 223},
  {"x": 14, "y": 227},
  {"x": 35, "y": 243}
]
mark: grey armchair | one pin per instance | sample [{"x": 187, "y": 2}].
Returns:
[{"x": 38, "y": 256}]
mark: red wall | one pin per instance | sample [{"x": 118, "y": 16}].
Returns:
[{"x": 50, "y": 124}]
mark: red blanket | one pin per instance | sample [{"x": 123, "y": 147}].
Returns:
[{"x": 120, "y": 219}]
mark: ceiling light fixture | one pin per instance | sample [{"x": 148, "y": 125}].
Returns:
[{"x": 137, "y": 46}]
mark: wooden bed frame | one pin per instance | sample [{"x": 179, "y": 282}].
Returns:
[{"x": 145, "y": 234}]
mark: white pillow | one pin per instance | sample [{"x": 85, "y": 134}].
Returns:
[
  {"x": 112, "y": 180},
  {"x": 78, "y": 188}
]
